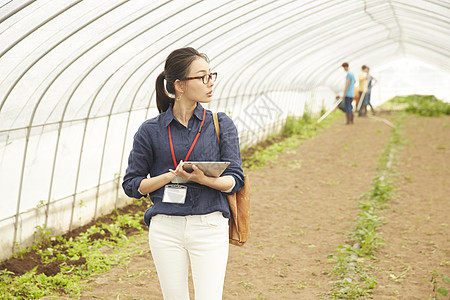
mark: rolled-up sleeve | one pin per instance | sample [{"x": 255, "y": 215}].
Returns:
[
  {"x": 138, "y": 164},
  {"x": 230, "y": 151}
]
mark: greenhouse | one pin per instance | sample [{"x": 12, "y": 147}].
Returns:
[{"x": 77, "y": 79}]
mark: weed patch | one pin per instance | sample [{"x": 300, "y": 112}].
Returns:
[
  {"x": 428, "y": 106},
  {"x": 56, "y": 265},
  {"x": 293, "y": 133}
]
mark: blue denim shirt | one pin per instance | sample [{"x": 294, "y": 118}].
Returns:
[{"x": 151, "y": 156}]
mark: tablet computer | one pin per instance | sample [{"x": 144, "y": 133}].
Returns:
[{"x": 210, "y": 168}]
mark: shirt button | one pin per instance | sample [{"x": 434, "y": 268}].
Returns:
[{"x": 190, "y": 129}]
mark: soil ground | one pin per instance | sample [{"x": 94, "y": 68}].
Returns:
[{"x": 304, "y": 204}]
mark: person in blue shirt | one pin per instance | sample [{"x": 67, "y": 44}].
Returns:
[
  {"x": 349, "y": 93},
  {"x": 188, "y": 221}
]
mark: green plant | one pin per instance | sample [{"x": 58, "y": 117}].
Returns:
[
  {"x": 42, "y": 235},
  {"x": 246, "y": 284},
  {"x": 438, "y": 289},
  {"x": 307, "y": 115}
]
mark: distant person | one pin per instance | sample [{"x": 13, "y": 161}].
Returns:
[
  {"x": 188, "y": 222},
  {"x": 356, "y": 97},
  {"x": 362, "y": 88},
  {"x": 349, "y": 93},
  {"x": 371, "y": 81}
]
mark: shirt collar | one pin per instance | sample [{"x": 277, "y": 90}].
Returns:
[{"x": 169, "y": 117}]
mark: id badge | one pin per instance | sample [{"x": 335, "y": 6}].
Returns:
[{"x": 174, "y": 193}]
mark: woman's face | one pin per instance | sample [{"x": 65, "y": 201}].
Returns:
[{"x": 195, "y": 89}]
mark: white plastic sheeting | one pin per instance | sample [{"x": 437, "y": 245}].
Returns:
[{"x": 77, "y": 79}]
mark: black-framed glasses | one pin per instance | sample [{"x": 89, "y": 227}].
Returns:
[{"x": 205, "y": 78}]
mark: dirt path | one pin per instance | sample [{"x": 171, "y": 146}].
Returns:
[{"x": 304, "y": 204}]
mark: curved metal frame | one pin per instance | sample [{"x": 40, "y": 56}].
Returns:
[{"x": 273, "y": 60}]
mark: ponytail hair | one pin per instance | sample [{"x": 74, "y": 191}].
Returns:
[
  {"x": 176, "y": 68},
  {"x": 163, "y": 100}
]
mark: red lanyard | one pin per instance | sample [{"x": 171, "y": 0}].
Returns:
[{"x": 193, "y": 143}]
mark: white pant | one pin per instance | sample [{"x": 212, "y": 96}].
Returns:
[{"x": 204, "y": 240}]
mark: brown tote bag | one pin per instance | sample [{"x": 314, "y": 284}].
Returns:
[{"x": 239, "y": 202}]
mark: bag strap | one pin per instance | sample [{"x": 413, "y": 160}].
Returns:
[{"x": 217, "y": 126}]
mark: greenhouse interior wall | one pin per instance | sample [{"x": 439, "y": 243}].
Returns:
[{"x": 77, "y": 80}]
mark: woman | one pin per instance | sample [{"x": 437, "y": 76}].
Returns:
[{"x": 189, "y": 221}]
